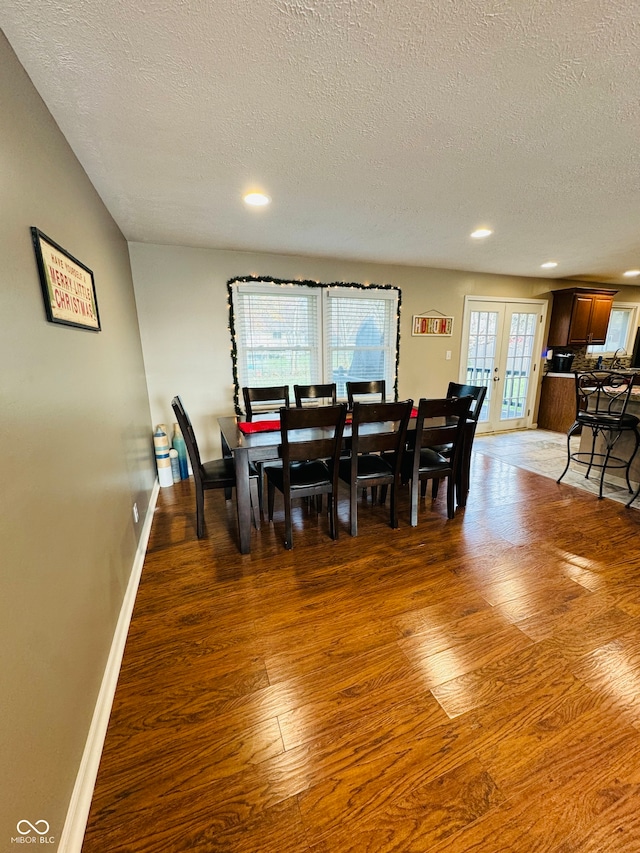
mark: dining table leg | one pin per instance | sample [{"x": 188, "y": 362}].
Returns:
[
  {"x": 227, "y": 454},
  {"x": 243, "y": 499}
]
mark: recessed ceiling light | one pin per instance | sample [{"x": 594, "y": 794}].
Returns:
[
  {"x": 631, "y": 273},
  {"x": 481, "y": 233},
  {"x": 257, "y": 199},
  {"x": 549, "y": 265}
]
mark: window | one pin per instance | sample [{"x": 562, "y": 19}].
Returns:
[
  {"x": 304, "y": 333},
  {"x": 276, "y": 334},
  {"x": 622, "y": 323}
]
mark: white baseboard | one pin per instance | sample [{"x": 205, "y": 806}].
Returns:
[{"x": 78, "y": 811}]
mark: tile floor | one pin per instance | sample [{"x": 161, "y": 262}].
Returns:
[{"x": 545, "y": 453}]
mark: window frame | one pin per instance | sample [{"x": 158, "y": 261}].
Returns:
[
  {"x": 266, "y": 284},
  {"x": 594, "y": 350}
]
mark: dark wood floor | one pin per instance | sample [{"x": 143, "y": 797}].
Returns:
[{"x": 468, "y": 685}]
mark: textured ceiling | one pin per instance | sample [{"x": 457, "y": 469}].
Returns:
[{"x": 384, "y": 130}]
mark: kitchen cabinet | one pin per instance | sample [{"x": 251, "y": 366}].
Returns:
[{"x": 580, "y": 316}]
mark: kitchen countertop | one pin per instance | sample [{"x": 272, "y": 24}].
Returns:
[{"x": 625, "y": 371}]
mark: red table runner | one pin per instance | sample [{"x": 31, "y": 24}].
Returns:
[{"x": 248, "y": 427}]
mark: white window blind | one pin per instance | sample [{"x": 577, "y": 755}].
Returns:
[
  {"x": 286, "y": 333},
  {"x": 277, "y": 334},
  {"x": 361, "y": 337}
]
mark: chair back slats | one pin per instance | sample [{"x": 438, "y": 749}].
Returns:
[
  {"x": 476, "y": 392},
  {"x": 269, "y": 399},
  {"x": 325, "y": 394},
  {"x": 432, "y": 413},
  {"x": 395, "y": 415},
  {"x": 313, "y": 433},
  {"x": 184, "y": 422},
  {"x": 359, "y": 389}
]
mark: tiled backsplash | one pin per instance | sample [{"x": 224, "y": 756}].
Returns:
[{"x": 582, "y": 361}]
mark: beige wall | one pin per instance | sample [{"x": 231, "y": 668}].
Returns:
[
  {"x": 182, "y": 305},
  {"x": 75, "y": 456},
  {"x": 181, "y": 295}
]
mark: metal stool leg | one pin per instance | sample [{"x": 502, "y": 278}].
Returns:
[
  {"x": 610, "y": 444},
  {"x": 632, "y": 457},
  {"x": 595, "y": 432},
  {"x": 571, "y": 432}
]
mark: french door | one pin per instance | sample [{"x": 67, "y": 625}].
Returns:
[{"x": 502, "y": 350}]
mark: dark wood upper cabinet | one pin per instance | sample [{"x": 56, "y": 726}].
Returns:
[
  {"x": 580, "y": 316},
  {"x": 600, "y": 318}
]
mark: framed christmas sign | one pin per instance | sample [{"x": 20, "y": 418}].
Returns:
[{"x": 67, "y": 285}]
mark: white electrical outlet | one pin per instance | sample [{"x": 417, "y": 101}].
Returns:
[
  {"x": 135, "y": 513},
  {"x": 448, "y": 355}
]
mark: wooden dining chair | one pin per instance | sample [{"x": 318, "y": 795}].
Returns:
[
  {"x": 378, "y": 436},
  {"x": 309, "y": 461},
  {"x": 215, "y": 474},
  {"x": 375, "y": 388},
  {"x": 439, "y": 423},
  {"x": 360, "y": 389},
  {"x": 315, "y": 394},
  {"x": 269, "y": 400},
  {"x": 477, "y": 394}
]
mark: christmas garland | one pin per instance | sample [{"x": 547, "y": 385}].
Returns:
[{"x": 307, "y": 283}]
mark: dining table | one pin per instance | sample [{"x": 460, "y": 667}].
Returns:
[{"x": 261, "y": 442}]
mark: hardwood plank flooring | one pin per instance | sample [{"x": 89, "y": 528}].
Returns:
[{"x": 465, "y": 685}]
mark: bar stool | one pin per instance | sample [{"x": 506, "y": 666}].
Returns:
[{"x": 601, "y": 402}]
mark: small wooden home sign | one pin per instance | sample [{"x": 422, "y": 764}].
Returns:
[{"x": 432, "y": 326}]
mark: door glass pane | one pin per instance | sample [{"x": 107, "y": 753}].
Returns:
[
  {"x": 483, "y": 331},
  {"x": 516, "y": 381}
]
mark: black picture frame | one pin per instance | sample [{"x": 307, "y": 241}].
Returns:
[{"x": 68, "y": 287}]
